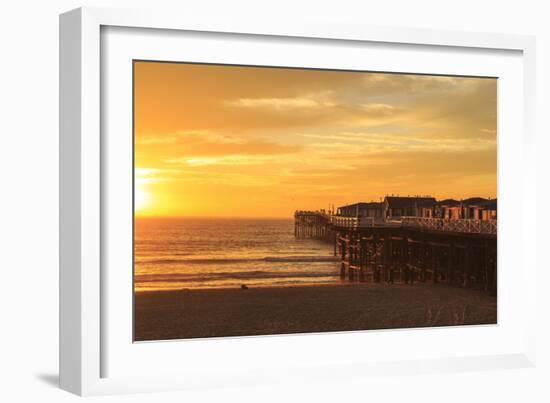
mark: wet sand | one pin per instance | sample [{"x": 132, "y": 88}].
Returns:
[{"x": 183, "y": 314}]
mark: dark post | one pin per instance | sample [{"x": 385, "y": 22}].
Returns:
[
  {"x": 361, "y": 259},
  {"x": 376, "y": 259},
  {"x": 391, "y": 259},
  {"x": 494, "y": 266},
  {"x": 486, "y": 266},
  {"x": 466, "y": 269},
  {"x": 450, "y": 263},
  {"x": 343, "y": 255},
  {"x": 434, "y": 264},
  {"x": 385, "y": 258},
  {"x": 405, "y": 276},
  {"x": 350, "y": 257},
  {"x": 424, "y": 249}
]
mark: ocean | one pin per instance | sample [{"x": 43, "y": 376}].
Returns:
[{"x": 194, "y": 253}]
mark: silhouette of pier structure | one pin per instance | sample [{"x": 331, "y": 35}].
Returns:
[{"x": 408, "y": 249}]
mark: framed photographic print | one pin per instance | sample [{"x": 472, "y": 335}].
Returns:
[
  {"x": 241, "y": 178},
  {"x": 236, "y": 199}
]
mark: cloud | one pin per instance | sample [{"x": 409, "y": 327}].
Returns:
[
  {"x": 222, "y": 98},
  {"x": 279, "y": 104},
  {"x": 490, "y": 132},
  {"x": 146, "y": 176},
  {"x": 205, "y": 147},
  {"x": 414, "y": 84},
  {"x": 321, "y": 99},
  {"x": 221, "y": 161},
  {"x": 150, "y": 140},
  {"x": 187, "y": 136},
  {"x": 379, "y": 109},
  {"x": 364, "y": 143},
  {"x": 323, "y": 108}
]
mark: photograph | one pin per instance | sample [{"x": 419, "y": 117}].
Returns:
[{"x": 284, "y": 200}]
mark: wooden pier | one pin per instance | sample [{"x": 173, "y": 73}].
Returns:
[
  {"x": 312, "y": 224},
  {"x": 462, "y": 253}
]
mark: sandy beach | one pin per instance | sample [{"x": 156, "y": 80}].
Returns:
[{"x": 183, "y": 314}]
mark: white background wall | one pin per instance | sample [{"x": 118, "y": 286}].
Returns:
[{"x": 29, "y": 201}]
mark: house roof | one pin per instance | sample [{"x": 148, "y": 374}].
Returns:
[
  {"x": 426, "y": 202},
  {"x": 474, "y": 201},
  {"x": 404, "y": 202},
  {"x": 364, "y": 205},
  {"x": 448, "y": 202}
]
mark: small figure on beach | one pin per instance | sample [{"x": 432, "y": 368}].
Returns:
[{"x": 244, "y": 287}]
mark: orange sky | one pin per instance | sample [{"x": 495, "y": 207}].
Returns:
[{"x": 263, "y": 142}]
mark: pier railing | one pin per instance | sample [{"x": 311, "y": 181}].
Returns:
[
  {"x": 471, "y": 226},
  {"x": 442, "y": 224},
  {"x": 352, "y": 222}
]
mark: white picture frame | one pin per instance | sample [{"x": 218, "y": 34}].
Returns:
[{"x": 83, "y": 294}]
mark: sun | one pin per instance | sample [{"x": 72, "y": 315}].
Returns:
[{"x": 142, "y": 198}]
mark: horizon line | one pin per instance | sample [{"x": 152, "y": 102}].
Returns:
[{"x": 214, "y": 217}]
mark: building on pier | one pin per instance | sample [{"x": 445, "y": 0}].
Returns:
[
  {"x": 397, "y": 210},
  {"x": 399, "y": 206},
  {"x": 449, "y": 209},
  {"x": 373, "y": 210},
  {"x": 478, "y": 208},
  {"x": 489, "y": 210}
]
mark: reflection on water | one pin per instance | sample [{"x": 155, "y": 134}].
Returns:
[{"x": 175, "y": 253}]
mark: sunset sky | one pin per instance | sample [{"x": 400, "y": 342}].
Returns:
[{"x": 263, "y": 142}]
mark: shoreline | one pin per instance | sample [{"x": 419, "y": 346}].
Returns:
[
  {"x": 228, "y": 312},
  {"x": 340, "y": 283}
]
